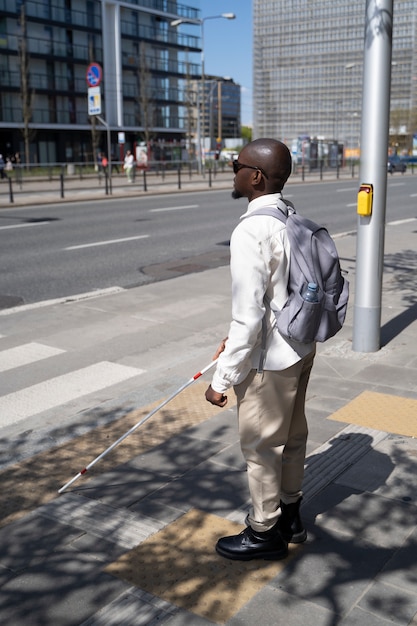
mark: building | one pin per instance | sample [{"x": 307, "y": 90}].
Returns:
[
  {"x": 218, "y": 112},
  {"x": 308, "y": 63},
  {"x": 137, "y": 66}
]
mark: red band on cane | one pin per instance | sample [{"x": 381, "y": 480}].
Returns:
[
  {"x": 197, "y": 376},
  {"x": 83, "y": 471}
]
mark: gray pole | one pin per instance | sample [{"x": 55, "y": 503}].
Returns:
[
  {"x": 203, "y": 101},
  {"x": 100, "y": 119},
  {"x": 373, "y": 171}
]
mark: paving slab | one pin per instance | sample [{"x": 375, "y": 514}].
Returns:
[{"x": 358, "y": 567}]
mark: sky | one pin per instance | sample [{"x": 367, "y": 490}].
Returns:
[{"x": 228, "y": 45}]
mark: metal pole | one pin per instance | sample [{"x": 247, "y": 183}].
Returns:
[
  {"x": 10, "y": 190},
  {"x": 199, "y": 129},
  {"x": 219, "y": 113},
  {"x": 100, "y": 119},
  {"x": 109, "y": 157},
  {"x": 203, "y": 103},
  {"x": 373, "y": 171}
]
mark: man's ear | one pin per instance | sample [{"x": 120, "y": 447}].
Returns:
[{"x": 257, "y": 177}]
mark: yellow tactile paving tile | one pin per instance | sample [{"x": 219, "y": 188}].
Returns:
[
  {"x": 35, "y": 481},
  {"x": 179, "y": 564},
  {"x": 392, "y": 414}
]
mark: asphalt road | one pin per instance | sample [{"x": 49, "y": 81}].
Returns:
[{"x": 62, "y": 250}]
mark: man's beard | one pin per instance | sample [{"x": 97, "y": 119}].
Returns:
[{"x": 236, "y": 194}]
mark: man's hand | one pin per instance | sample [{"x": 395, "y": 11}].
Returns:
[
  {"x": 215, "y": 398},
  {"x": 220, "y": 348}
]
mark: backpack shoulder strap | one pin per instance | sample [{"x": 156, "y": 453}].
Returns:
[{"x": 300, "y": 234}]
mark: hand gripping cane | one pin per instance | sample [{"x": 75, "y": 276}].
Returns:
[{"x": 142, "y": 421}]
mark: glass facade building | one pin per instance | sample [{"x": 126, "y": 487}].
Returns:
[
  {"x": 220, "y": 118},
  {"x": 147, "y": 65},
  {"x": 308, "y": 63}
]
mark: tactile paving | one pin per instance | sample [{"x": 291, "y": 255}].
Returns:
[
  {"x": 179, "y": 564},
  {"x": 392, "y": 414},
  {"x": 35, "y": 481}
]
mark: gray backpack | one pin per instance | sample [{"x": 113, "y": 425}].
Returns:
[{"x": 313, "y": 259}]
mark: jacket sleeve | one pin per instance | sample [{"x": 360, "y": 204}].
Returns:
[{"x": 250, "y": 270}]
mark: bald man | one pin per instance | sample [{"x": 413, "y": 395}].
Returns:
[{"x": 269, "y": 372}]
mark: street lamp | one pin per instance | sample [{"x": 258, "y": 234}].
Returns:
[{"x": 200, "y": 22}]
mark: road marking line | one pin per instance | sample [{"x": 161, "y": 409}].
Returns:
[
  {"x": 105, "y": 243},
  {"x": 347, "y": 189},
  {"x": 174, "y": 208},
  {"x": 26, "y": 354},
  {"x": 61, "y": 389},
  {"x": 347, "y": 233},
  {"x": 24, "y": 225},
  {"x": 404, "y": 221}
]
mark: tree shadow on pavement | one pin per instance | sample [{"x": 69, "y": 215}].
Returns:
[
  {"x": 362, "y": 535},
  {"x": 358, "y": 525}
]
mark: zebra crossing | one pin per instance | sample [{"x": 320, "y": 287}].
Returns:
[
  {"x": 56, "y": 390},
  {"x": 68, "y": 367}
]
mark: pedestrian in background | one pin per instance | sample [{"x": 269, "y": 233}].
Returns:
[
  {"x": 129, "y": 166},
  {"x": 269, "y": 375}
]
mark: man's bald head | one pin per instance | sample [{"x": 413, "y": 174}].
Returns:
[{"x": 273, "y": 157}]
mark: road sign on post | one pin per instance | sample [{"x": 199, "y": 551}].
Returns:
[
  {"x": 94, "y": 101},
  {"x": 94, "y": 75}
]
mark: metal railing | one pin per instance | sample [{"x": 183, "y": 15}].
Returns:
[{"x": 71, "y": 180}]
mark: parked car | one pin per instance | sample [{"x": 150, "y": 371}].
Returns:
[{"x": 396, "y": 164}]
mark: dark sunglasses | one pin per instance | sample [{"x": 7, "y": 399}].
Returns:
[{"x": 238, "y": 166}]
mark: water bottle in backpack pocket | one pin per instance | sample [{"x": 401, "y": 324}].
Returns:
[{"x": 301, "y": 316}]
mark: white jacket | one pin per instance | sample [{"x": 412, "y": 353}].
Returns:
[{"x": 259, "y": 265}]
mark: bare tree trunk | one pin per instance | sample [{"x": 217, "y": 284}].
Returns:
[
  {"x": 146, "y": 114},
  {"x": 26, "y": 94}
]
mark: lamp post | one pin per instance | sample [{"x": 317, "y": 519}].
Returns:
[{"x": 200, "y": 22}]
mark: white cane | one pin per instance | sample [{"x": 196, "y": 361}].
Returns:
[{"x": 140, "y": 423}]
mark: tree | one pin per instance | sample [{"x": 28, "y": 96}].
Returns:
[
  {"x": 146, "y": 105},
  {"x": 246, "y": 133},
  {"x": 26, "y": 93}
]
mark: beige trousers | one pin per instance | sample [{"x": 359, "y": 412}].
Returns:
[{"x": 273, "y": 437}]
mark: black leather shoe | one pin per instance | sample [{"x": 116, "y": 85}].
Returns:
[
  {"x": 252, "y": 545},
  {"x": 289, "y": 523}
]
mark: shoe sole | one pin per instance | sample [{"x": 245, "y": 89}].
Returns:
[
  {"x": 296, "y": 538},
  {"x": 266, "y": 556}
]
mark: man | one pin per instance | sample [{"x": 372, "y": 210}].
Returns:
[{"x": 269, "y": 375}]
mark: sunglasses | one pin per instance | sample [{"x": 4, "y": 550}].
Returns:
[{"x": 238, "y": 166}]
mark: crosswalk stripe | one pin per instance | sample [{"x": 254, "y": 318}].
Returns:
[
  {"x": 56, "y": 391},
  {"x": 26, "y": 354}
]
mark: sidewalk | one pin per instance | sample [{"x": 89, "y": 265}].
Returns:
[
  {"x": 132, "y": 542},
  {"x": 45, "y": 191}
]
